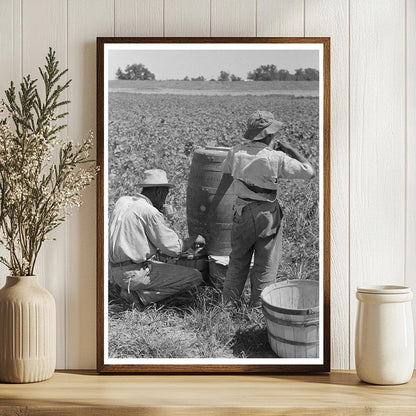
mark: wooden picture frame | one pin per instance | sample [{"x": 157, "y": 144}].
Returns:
[{"x": 105, "y": 364}]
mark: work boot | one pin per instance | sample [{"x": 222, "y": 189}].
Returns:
[{"x": 132, "y": 298}]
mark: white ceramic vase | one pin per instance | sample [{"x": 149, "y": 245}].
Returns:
[
  {"x": 27, "y": 331},
  {"x": 384, "y": 340}
]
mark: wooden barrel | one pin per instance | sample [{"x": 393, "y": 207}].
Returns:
[
  {"x": 291, "y": 309},
  {"x": 204, "y": 178}
]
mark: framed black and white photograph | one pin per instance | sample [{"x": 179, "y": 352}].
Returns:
[{"x": 213, "y": 239}]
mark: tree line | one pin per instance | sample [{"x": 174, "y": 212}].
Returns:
[{"x": 262, "y": 73}]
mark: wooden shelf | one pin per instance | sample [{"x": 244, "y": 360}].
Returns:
[{"x": 86, "y": 393}]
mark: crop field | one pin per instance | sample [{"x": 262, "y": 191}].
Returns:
[
  {"x": 148, "y": 131},
  {"x": 216, "y": 85}
]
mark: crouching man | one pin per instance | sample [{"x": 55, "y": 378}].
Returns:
[{"x": 137, "y": 229}]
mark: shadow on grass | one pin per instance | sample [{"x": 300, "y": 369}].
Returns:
[
  {"x": 252, "y": 343},
  {"x": 116, "y": 304},
  {"x": 180, "y": 302}
]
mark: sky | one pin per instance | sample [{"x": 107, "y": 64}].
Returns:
[{"x": 176, "y": 64}]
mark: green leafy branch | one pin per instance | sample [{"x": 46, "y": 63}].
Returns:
[{"x": 35, "y": 192}]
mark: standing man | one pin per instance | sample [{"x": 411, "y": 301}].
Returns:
[
  {"x": 254, "y": 169},
  {"x": 137, "y": 230}
]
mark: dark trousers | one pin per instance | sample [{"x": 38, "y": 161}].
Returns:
[
  {"x": 163, "y": 280},
  {"x": 257, "y": 230}
]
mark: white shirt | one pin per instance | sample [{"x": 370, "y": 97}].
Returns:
[
  {"x": 137, "y": 229},
  {"x": 256, "y": 163}
]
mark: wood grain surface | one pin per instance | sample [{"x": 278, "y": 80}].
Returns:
[
  {"x": 138, "y": 18},
  {"x": 331, "y": 19},
  {"x": 10, "y": 65},
  {"x": 86, "y": 19},
  {"x": 281, "y": 18},
  {"x": 187, "y": 18},
  {"x": 410, "y": 261},
  {"x": 373, "y": 90},
  {"x": 233, "y": 18},
  {"x": 85, "y": 393},
  {"x": 44, "y": 25},
  {"x": 377, "y": 148}
]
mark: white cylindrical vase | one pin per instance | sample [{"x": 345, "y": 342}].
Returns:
[
  {"x": 384, "y": 338},
  {"x": 27, "y": 331}
]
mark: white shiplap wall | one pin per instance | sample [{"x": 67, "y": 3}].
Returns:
[{"x": 373, "y": 132}]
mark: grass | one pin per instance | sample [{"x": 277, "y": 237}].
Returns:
[
  {"x": 195, "y": 324},
  {"x": 148, "y": 131}
]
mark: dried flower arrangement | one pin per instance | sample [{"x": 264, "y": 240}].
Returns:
[{"x": 41, "y": 174}]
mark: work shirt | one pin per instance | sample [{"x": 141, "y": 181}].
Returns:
[
  {"x": 255, "y": 163},
  {"x": 137, "y": 229}
]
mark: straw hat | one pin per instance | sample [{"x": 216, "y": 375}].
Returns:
[
  {"x": 155, "y": 177},
  {"x": 260, "y": 124}
]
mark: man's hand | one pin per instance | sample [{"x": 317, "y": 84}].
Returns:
[
  {"x": 192, "y": 242},
  {"x": 135, "y": 279},
  {"x": 285, "y": 148},
  {"x": 199, "y": 244},
  {"x": 200, "y": 240}
]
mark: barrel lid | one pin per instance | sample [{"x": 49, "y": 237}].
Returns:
[
  {"x": 384, "y": 289},
  {"x": 212, "y": 150},
  {"x": 222, "y": 148}
]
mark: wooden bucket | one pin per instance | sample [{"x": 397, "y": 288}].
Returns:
[
  {"x": 291, "y": 309},
  {"x": 204, "y": 178}
]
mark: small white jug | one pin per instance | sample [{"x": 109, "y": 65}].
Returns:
[{"x": 384, "y": 339}]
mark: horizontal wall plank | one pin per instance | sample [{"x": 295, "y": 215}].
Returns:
[
  {"x": 377, "y": 152},
  {"x": 323, "y": 18},
  {"x": 185, "y": 18},
  {"x": 86, "y": 21},
  {"x": 138, "y": 17},
  {"x": 233, "y": 18}
]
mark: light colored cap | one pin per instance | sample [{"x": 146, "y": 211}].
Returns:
[
  {"x": 155, "y": 177},
  {"x": 260, "y": 124}
]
